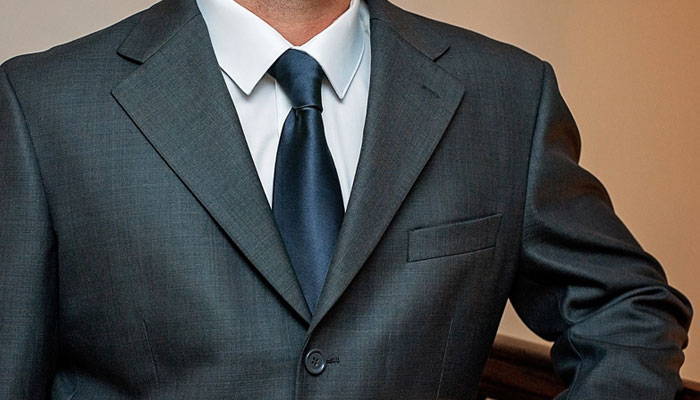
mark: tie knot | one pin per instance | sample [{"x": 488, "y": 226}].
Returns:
[{"x": 300, "y": 77}]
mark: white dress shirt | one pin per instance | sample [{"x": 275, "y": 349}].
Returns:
[{"x": 246, "y": 47}]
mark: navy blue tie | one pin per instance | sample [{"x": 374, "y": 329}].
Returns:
[{"x": 307, "y": 203}]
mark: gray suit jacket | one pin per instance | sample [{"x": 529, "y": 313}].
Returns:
[{"x": 139, "y": 258}]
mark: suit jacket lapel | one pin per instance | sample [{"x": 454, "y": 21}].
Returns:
[
  {"x": 411, "y": 103},
  {"x": 179, "y": 101}
]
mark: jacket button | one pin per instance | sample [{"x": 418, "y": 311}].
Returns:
[{"x": 314, "y": 362}]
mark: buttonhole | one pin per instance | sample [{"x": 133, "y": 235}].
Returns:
[{"x": 333, "y": 360}]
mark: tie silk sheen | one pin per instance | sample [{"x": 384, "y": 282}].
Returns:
[{"x": 306, "y": 202}]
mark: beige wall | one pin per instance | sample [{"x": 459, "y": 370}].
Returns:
[{"x": 627, "y": 68}]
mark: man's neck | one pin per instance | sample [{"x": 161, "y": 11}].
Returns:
[{"x": 297, "y": 20}]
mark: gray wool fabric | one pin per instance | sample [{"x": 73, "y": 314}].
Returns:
[{"x": 139, "y": 258}]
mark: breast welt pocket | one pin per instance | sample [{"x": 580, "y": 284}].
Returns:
[{"x": 453, "y": 238}]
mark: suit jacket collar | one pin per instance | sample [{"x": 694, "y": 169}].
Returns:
[
  {"x": 179, "y": 101},
  {"x": 410, "y": 28},
  {"x": 155, "y": 27}
]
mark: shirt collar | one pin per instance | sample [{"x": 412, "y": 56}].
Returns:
[{"x": 246, "y": 46}]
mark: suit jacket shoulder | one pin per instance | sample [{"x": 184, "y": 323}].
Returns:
[
  {"x": 82, "y": 56},
  {"x": 92, "y": 60}
]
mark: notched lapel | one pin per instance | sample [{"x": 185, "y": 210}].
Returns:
[
  {"x": 411, "y": 102},
  {"x": 179, "y": 101}
]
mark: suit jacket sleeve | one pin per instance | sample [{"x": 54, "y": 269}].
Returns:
[
  {"x": 27, "y": 261},
  {"x": 585, "y": 283}
]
